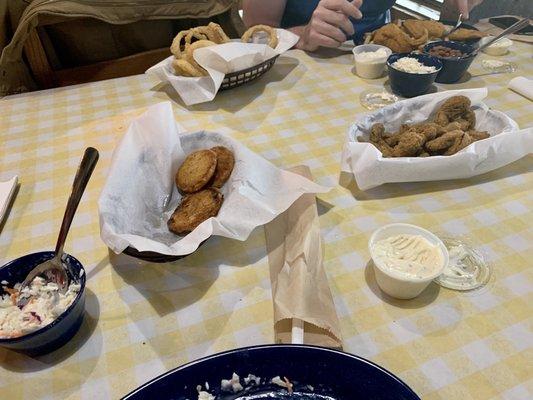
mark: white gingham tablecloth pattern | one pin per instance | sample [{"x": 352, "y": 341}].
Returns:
[{"x": 143, "y": 319}]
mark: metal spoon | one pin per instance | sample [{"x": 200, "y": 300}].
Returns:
[
  {"x": 457, "y": 25},
  {"x": 54, "y": 269},
  {"x": 509, "y": 31}
]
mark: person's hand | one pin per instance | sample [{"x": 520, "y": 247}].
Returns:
[
  {"x": 464, "y": 6},
  {"x": 330, "y": 24}
]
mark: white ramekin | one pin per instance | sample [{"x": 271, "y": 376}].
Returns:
[
  {"x": 394, "y": 283},
  {"x": 371, "y": 69},
  {"x": 498, "y": 48}
]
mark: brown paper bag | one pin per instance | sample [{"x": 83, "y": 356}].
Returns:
[{"x": 299, "y": 283}]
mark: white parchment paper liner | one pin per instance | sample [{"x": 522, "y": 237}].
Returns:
[
  {"x": 218, "y": 61},
  {"x": 507, "y": 143},
  {"x": 140, "y": 195}
]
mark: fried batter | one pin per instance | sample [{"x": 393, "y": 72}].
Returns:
[
  {"x": 415, "y": 28},
  {"x": 410, "y": 144},
  {"x": 466, "y": 34},
  {"x": 459, "y": 144},
  {"x": 194, "y": 209},
  {"x": 443, "y": 142},
  {"x": 190, "y": 48},
  {"x": 392, "y": 36},
  {"x": 428, "y": 129},
  {"x": 225, "y": 164},
  {"x": 185, "y": 68},
  {"x": 456, "y": 109},
  {"x": 196, "y": 171},
  {"x": 175, "y": 47},
  {"x": 271, "y": 32},
  {"x": 376, "y": 132},
  {"x": 478, "y": 135},
  {"x": 216, "y": 33},
  {"x": 376, "y": 137},
  {"x": 451, "y": 130}
]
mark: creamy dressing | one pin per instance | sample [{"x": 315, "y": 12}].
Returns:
[
  {"x": 411, "y": 255},
  {"x": 379, "y": 55}
]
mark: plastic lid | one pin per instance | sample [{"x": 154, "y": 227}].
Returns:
[
  {"x": 466, "y": 269},
  {"x": 497, "y": 66},
  {"x": 375, "y": 99}
]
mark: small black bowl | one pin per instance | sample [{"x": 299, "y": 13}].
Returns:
[
  {"x": 409, "y": 84},
  {"x": 59, "y": 332},
  {"x": 453, "y": 68}
]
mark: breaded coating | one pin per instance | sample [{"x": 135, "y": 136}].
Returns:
[
  {"x": 376, "y": 132},
  {"x": 436, "y": 29},
  {"x": 429, "y": 130},
  {"x": 456, "y": 109},
  {"x": 409, "y": 145},
  {"x": 194, "y": 209},
  {"x": 452, "y": 126},
  {"x": 478, "y": 135},
  {"x": 444, "y": 141},
  {"x": 459, "y": 144},
  {"x": 466, "y": 34},
  {"x": 415, "y": 28},
  {"x": 225, "y": 164},
  {"x": 392, "y": 36},
  {"x": 451, "y": 130},
  {"x": 196, "y": 171}
]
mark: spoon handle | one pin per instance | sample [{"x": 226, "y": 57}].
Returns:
[
  {"x": 85, "y": 170},
  {"x": 512, "y": 29}
]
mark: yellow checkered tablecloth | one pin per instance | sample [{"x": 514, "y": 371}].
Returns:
[{"x": 145, "y": 319}]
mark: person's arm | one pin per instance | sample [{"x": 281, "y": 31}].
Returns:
[
  {"x": 465, "y": 6},
  {"x": 257, "y": 12},
  {"x": 328, "y": 27}
]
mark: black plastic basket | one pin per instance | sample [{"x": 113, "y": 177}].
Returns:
[
  {"x": 152, "y": 256},
  {"x": 239, "y": 78}
]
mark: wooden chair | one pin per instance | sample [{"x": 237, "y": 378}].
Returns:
[{"x": 46, "y": 77}]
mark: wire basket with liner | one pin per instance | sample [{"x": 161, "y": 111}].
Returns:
[{"x": 239, "y": 78}]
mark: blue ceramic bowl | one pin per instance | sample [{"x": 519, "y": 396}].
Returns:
[
  {"x": 56, "y": 334},
  {"x": 453, "y": 68},
  {"x": 333, "y": 373},
  {"x": 408, "y": 84}
]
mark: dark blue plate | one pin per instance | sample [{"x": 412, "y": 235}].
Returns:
[
  {"x": 318, "y": 373},
  {"x": 59, "y": 332}
]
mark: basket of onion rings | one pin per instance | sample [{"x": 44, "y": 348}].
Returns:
[
  {"x": 238, "y": 78},
  {"x": 205, "y": 60}
]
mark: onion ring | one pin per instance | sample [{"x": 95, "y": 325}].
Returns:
[
  {"x": 194, "y": 33},
  {"x": 185, "y": 36},
  {"x": 272, "y": 35},
  {"x": 189, "y": 50},
  {"x": 216, "y": 33},
  {"x": 184, "y": 68},
  {"x": 175, "y": 47}
]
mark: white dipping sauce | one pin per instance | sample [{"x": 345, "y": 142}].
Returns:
[
  {"x": 380, "y": 55},
  {"x": 411, "y": 255}
]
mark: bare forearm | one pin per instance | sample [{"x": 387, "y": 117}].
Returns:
[
  {"x": 299, "y": 30},
  {"x": 263, "y": 12}
]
